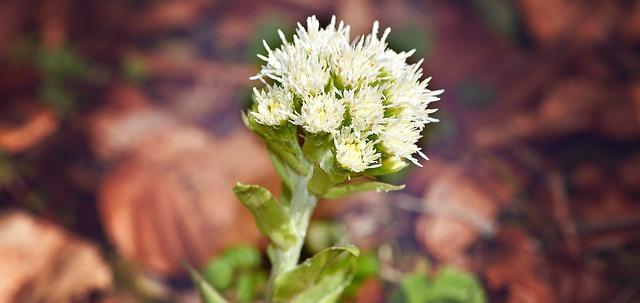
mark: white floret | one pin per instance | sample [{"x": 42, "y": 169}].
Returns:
[
  {"x": 366, "y": 107},
  {"x": 273, "y": 106},
  {"x": 354, "y": 151},
  {"x": 321, "y": 113}
]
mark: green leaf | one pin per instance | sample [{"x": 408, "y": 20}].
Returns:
[
  {"x": 220, "y": 270},
  {"x": 367, "y": 266},
  {"x": 318, "y": 148},
  {"x": 208, "y": 294},
  {"x": 320, "y": 278},
  {"x": 245, "y": 288},
  {"x": 344, "y": 190},
  {"x": 414, "y": 288},
  {"x": 499, "y": 15},
  {"x": 243, "y": 256},
  {"x": 452, "y": 285},
  {"x": 286, "y": 173},
  {"x": 271, "y": 217},
  {"x": 282, "y": 141},
  {"x": 219, "y": 273}
]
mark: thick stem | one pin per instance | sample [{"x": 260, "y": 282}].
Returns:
[{"x": 303, "y": 202}]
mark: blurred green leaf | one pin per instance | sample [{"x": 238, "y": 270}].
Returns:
[
  {"x": 412, "y": 36},
  {"x": 219, "y": 273},
  {"x": 448, "y": 286},
  {"x": 441, "y": 132},
  {"x": 61, "y": 62},
  {"x": 475, "y": 94},
  {"x": 134, "y": 68},
  {"x": 238, "y": 269},
  {"x": 456, "y": 286},
  {"x": 367, "y": 266},
  {"x": 7, "y": 170},
  {"x": 243, "y": 256},
  {"x": 413, "y": 289},
  {"x": 208, "y": 294},
  {"x": 320, "y": 278},
  {"x": 59, "y": 69},
  {"x": 58, "y": 97},
  {"x": 244, "y": 287},
  {"x": 344, "y": 190},
  {"x": 271, "y": 217},
  {"x": 500, "y": 16},
  {"x": 267, "y": 29}
]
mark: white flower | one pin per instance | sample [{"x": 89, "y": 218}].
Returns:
[
  {"x": 355, "y": 68},
  {"x": 273, "y": 107},
  {"x": 400, "y": 139},
  {"x": 321, "y": 113},
  {"x": 386, "y": 98},
  {"x": 354, "y": 151},
  {"x": 366, "y": 108},
  {"x": 321, "y": 42},
  {"x": 411, "y": 100}
]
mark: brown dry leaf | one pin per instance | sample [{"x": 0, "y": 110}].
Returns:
[
  {"x": 582, "y": 23},
  {"x": 43, "y": 263},
  {"x": 54, "y": 15},
  {"x": 461, "y": 207},
  {"x": 628, "y": 174},
  {"x": 518, "y": 267},
  {"x": 632, "y": 25},
  {"x": 124, "y": 121},
  {"x": 13, "y": 15},
  {"x": 574, "y": 105},
  {"x": 170, "y": 199},
  {"x": 635, "y": 90},
  {"x": 35, "y": 123},
  {"x": 162, "y": 16}
]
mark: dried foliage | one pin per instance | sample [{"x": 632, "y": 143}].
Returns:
[{"x": 42, "y": 262}]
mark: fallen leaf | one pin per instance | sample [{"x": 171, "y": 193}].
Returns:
[
  {"x": 34, "y": 124},
  {"x": 460, "y": 205},
  {"x": 170, "y": 199},
  {"x": 42, "y": 262}
]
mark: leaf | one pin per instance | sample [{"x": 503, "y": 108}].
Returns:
[
  {"x": 244, "y": 256},
  {"x": 219, "y": 273},
  {"x": 414, "y": 288},
  {"x": 271, "y": 217},
  {"x": 319, "y": 149},
  {"x": 245, "y": 288},
  {"x": 208, "y": 294},
  {"x": 281, "y": 141},
  {"x": 452, "y": 285},
  {"x": 344, "y": 190},
  {"x": 286, "y": 173},
  {"x": 320, "y": 278}
]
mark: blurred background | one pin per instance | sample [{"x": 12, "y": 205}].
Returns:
[{"x": 120, "y": 140}]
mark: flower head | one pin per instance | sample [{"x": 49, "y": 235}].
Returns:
[
  {"x": 365, "y": 96},
  {"x": 366, "y": 107},
  {"x": 273, "y": 107},
  {"x": 354, "y": 151},
  {"x": 320, "y": 113}
]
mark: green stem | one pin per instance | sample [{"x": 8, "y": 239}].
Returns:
[{"x": 303, "y": 202}]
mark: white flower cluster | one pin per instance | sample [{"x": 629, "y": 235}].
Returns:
[{"x": 361, "y": 93}]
